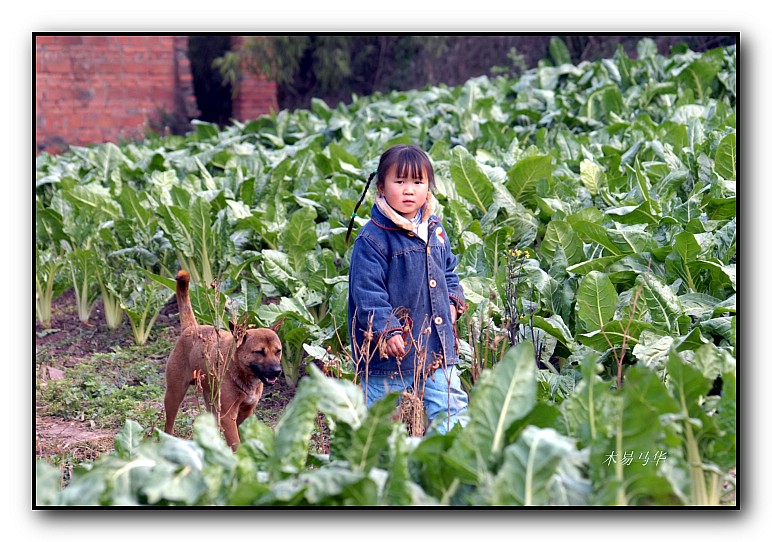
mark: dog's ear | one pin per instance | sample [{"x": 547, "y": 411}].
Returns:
[
  {"x": 239, "y": 332},
  {"x": 277, "y": 325}
]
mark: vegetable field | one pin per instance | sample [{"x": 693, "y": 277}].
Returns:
[{"x": 593, "y": 210}]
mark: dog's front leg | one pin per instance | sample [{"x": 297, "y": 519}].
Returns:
[
  {"x": 230, "y": 430},
  {"x": 245, "y": 411}
]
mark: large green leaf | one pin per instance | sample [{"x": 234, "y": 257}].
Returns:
[
  {"x": 366, "y": 445},
  {"x": 587, "y": 411},
  {"x": 638, "y": 443},
  {"x": 595, "y": 264},
  {"x": 632, "y": 238},
  {"x": 721, "y": 327},
  {"x": 48, "y": 228},
  {"x": 127, "y": 440},
  {"x": 133, "y": 204},
  {"x": 591, "y": 176},
  {"x": 595, "y": 233},
  {"x": 559, "y": 51},
  {"x": 664, "y": 307},
  {"x": 342, "y": 400},
  {"x": 555, "y": 326},
  {"x": 713, "y": 361},
  {"x": 400, "y": 488},
  {"x": 277, "y": 269},
  {"x": 288, "y": 307},
  {"x": 194, "y": 236},
  {"x": 541, "y": 468},
  {"x": 523, "y": 177},
  {"x": 495, "y": 244},
  {"x": 523, "y": 223},
  {"x": 698, "y": 430},
  {"x": 684, "y": 261},
  {"x": 471, "y": 181},
  {"x": 726, "y": 157},
  {"x": 614, "y": 334},
  {"x": 107, "y": 161},
  {"x": 634, "y": 214},
  {"x": 293, "y": 432},
  {"x": 605, "y": 102},
  {"x": 257, "y": 443},
  {"x": 557, "y": 297},
  {"x": 597, "y": 301},
  {"x": 300, "y": 236},
  {"x": 561, "y": 234},
  {"x": 502, "y": 396},
  {"x": 93, "y": 199},
  {"x": 699, "y": 74},
  {"x": 644, "y": 187}
]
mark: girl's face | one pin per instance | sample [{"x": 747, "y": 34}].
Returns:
[{"x": 405, "y": 195}]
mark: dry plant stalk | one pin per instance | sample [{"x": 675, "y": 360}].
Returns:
[
  {"x": 215, "y": 371},
  {"x": 619, "y": 356},
  {"x": 410, "y": 409},
  {"x": 479, "y": 341},
  {"x": 411, "y": 412},
  {"x": 411, "y": 406},
  {"x": 331, "y": 363}
]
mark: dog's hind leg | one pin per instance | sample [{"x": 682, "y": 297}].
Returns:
[{"x": 175, "y": 393}]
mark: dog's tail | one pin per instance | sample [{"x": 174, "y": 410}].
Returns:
[{"x": 187, "y": 318}]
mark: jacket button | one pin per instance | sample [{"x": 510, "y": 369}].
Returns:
[
  {"x": 432, "y": 283},
  {"x": 410, "y": 234},
  {"x": 438, "y": 320}
]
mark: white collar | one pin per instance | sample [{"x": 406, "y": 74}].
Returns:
[{"x": 421, "y": 217}]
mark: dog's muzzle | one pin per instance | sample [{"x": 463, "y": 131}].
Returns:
[{"x": 268, "y": 375}]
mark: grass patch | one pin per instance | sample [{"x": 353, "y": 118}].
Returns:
[{"x": 105, "y": 389}]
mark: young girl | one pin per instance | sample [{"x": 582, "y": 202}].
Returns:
[{"x": 404, "y": 295}]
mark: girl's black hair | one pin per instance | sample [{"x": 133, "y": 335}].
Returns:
[
  {"x": 410, "y": 160},
  {"x": 361, "y": 199}
]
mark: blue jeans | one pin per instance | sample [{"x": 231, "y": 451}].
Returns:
[{"x": 444, "y": 399}]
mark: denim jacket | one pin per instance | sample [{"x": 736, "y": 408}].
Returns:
[{"x": 399, "y": 283}]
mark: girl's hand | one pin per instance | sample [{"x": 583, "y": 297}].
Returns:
[
  {"x": 395, "y": 346},
  {"x": 453, "y": 314}
]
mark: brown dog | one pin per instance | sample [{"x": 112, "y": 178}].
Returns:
[{"x": 245, "y": 358}]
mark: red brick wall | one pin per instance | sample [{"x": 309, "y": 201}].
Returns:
[{"x": 94, "y": 89}]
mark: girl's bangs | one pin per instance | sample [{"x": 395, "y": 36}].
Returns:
[{"x": 411, "y": 165}]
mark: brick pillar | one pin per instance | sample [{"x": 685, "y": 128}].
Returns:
[{"x": 256, "y": 95}]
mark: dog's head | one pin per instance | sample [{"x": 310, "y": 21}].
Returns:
[{"x": 258, "y": 350}]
